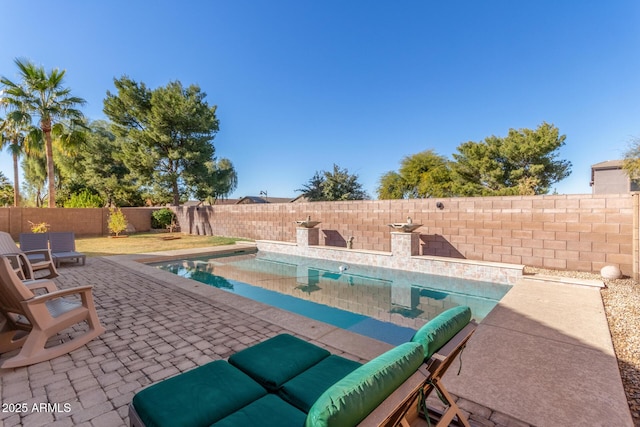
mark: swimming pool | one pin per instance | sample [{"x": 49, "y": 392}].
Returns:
[{"x": 382, "y": 303}]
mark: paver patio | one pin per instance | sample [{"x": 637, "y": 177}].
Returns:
[{"x": 159, "y": 325}]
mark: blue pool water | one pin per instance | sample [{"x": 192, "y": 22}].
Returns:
[{"x": 385, "y": 304}]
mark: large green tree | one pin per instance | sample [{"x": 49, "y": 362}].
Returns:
[
  {"x": 334, "y": 185},
  {"x": 12, "y": 135},
  {"x": 222, "y": 181},
  {"x": 99, "y": 168},
  {"x": 6, "y": 191},
  {"x": 631, "y": 163},
  {"x": 41, "y": 96},
  {"x": 34, "y": 167},
  {"x": 168, "y": 134},
  {"x": 425, "y": 174},
  {"x": 525, "y": 162}
]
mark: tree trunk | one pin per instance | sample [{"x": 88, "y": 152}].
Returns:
[
  {"x": 46, "y": 128},
  {"x": 16, "y": 185},
  {"x": 176, "y": 193}
]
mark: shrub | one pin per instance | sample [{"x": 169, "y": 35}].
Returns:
[
  {"x": 39, "y": 227},
  {"x": 163, "y": 218},
  {"x": 84, "y": 199},
  {"x": 117, "y": 221}
]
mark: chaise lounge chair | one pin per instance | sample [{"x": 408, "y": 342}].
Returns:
[
  {"x": 287, "y": 381},
  {"x": 63, "y": 248},
  {"x": 34, "y": 241},
  {"x": 31, "y": 320},
  {"x": 27, "y": 263}
]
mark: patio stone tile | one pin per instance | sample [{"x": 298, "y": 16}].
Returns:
[
  {"x": 162, "y": 374},
  {"x": 108, "y": 419},
  {"x": 92, "y": 397},
  {"x": 55, "y": 386},
  {"x": 44, "y": 380},
  {"x": 111, "y": 365},
  {"x": 38, "y": 419},
  {"x": 92, "y": 412},
  {"x": 66, "y": 422},
  {"x": 109, "y": 379},
  {"x": 85, "y": 383}
]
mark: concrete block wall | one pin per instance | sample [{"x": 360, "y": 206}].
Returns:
[
  {"x": 576, "y": 232},
  {"x": 82, "y": 221}
]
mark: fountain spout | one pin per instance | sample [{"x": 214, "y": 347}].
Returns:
[
  {"x": 405, "y": 227},
  {"x": 307, "y": 223}
]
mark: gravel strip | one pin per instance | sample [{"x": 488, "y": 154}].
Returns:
[{"x": 621, "y": 299}]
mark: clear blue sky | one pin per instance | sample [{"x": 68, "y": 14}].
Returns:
[{"x": 301, "y": 84}]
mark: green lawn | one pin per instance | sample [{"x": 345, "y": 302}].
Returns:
[{"x": 146, "y": 242}]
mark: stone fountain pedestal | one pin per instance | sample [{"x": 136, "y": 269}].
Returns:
[
  {"x": 405, "y": 244},
  {"x": 306, "y": 237}
]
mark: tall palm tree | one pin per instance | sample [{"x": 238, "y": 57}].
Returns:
[
  {"x": 12, "y": 135},
  {"x": 41, "y": 96}
]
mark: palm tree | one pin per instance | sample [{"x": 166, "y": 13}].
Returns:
[
  {"x": 41, "y": 96},
  {"x": 12, "y": 136}
]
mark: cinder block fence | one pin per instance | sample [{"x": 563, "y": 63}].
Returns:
[
  {"x": 581, "y": 232},
  {"x": 82, "y": 221},
  {"x": 575, "y": 232}
]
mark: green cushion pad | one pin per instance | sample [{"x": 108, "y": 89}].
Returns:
[
  {"x": 198, "y": 397},
  {"x": 303, "y": 390},
  {"x": 268, "y": 411},
  {"x": 439, "y": 330},
  {"x": 351, "y": 399},
  {"x": 276, "y": 360}
]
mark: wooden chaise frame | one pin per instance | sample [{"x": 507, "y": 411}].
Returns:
[{"x": 406, "y": 404}]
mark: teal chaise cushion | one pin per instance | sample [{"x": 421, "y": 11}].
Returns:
[
  {"x": 439, "y": 330},
  {"x": 351, "y": 399},
  {"x": 303, "y": 390},
  {"x": 268, "y": 411},
  {"x": 197, "y": 398},
  {"x": 276, "y": 360}
]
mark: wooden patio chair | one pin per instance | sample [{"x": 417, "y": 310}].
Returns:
[
  {"x": 63, "y": 247},
  {"x": 31, "y": 320},
  {"x": 27, "y": 263}
]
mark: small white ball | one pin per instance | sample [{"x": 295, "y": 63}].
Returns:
[{"x": 610, "y": 272}]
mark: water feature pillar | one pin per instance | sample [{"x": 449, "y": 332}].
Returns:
[
  {"x": 405, "y": 245},
  {"x": 307, "y": 236}
]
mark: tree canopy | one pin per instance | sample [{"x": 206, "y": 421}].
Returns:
[
  {"x": 99, "y": 169},
  {"x": 12, "y": 135},
  {"x": 425, "y": 174},
  {"x": 167, "y": 135},
  {"x": 631, "y": 162},
  {"x": 334, "y": 185},
  {"x": 6, "y": 191},
  {"x": 41, "y": 96},
  {"x": 525, "y": 162}
]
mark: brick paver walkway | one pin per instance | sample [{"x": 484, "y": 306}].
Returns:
[{"x": 154, "y": 331}]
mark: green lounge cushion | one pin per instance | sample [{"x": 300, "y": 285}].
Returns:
[
  {"x": 351, "y": 399},
  {"x": 198, "y": 397},
  {"x": 303, "y": 390},
  {"x": 276, "y": 360},
  {"x": 439, "y": 330},
  {"x": 268, "y": 411}
]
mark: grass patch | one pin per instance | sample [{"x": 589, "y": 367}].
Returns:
[{"x": 147, "y": 242}]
